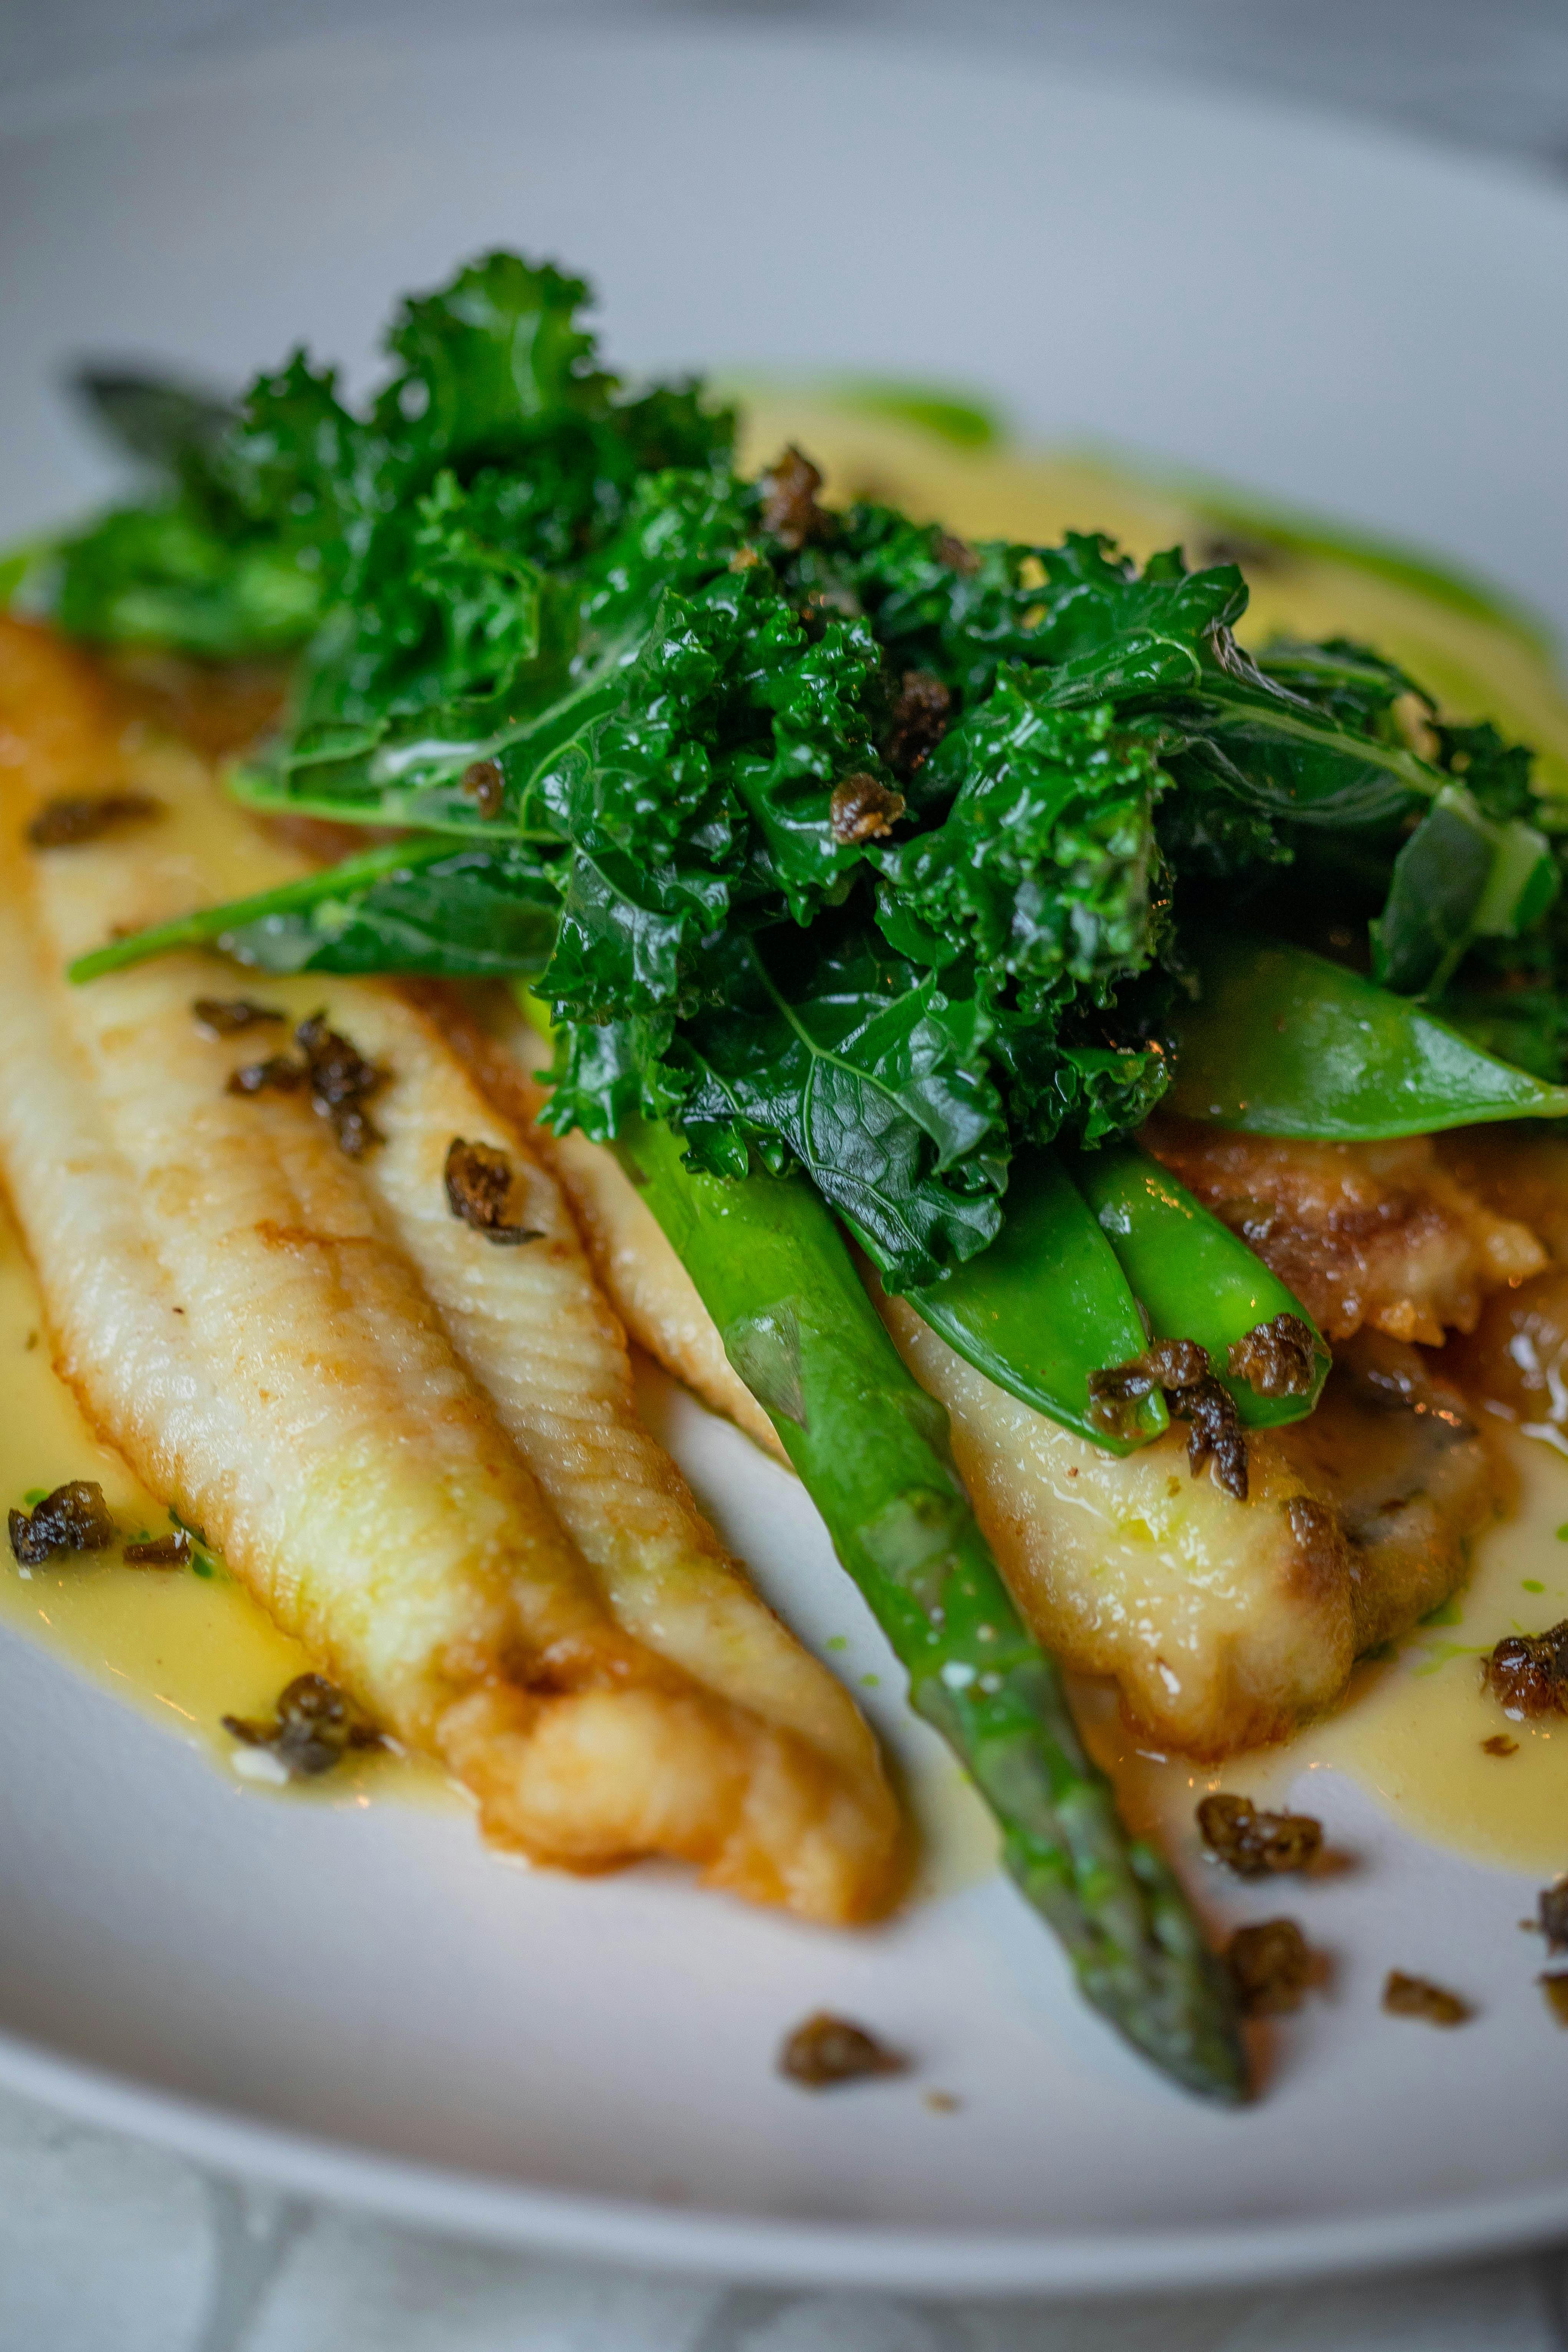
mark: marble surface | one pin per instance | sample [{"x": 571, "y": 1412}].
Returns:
[{"x": 106, "y": 2246}]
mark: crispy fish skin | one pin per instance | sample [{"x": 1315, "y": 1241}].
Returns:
[{"x": 286, "y": 1343}]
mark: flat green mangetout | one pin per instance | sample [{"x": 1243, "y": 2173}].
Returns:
[{"x": 865, "y": 875}]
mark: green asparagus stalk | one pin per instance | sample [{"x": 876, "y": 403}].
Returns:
[{"x": 871, "y": 1448}]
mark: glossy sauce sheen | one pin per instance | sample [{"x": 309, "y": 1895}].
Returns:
[
  {"x": 184, "y": 1647},
  {"x": 1412, "y": 1726}
]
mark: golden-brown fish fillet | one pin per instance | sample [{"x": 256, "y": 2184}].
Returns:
[
  {"x": 652, "y": 1293},
  {"x": 1223, "y": 1623},
  {"x": 1376, "y": 1233},
  {"x": 361, "y": 1397}
]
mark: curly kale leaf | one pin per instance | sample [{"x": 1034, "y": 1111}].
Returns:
[
  {"x": 161, "y": 576},
  {"x": 448, "y": 911},
  {"x": 300, "y": 501},
  {"x": 1045, "y": 866},
  {"x": 835, "y": 1055}
]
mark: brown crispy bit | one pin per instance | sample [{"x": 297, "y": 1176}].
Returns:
[
  {"x": 1552, "y": 1915},
  {"x": 1192, "y": 1394},
  {"x": 217, "y": 1016},
  {"x": 828, "y": 2050},
  {"x": 173, "y": 1550},
  {"x": 1278, "y": 1359},
  {"x": 313, "y": 1729},
  {"x": 862, "y": 809},
  {"x": 77, "y": 817},
  {"x": 485, "y": 785},
  {"x": 75, "y": 1517},
  {"x": 1176, "y": 1363},
  {"x": 478, "y": 1185},
  {"x": 1499, "y": 1744},
  {"x": 956, "y": 553},
  {"x": 1529, "y": 1672},
  {"x": 790, "y": 511},
  {"x": 918, "y": 721},
  {"x": 1270, "y": 1968},
  {"x": 1215, "y": 1433},
  {"x": 339, "y": 1079},
  {"x": 1405, "y": 1996},
  {"x": 1181, "y": 1367},
  {"x": 1255, "y": 1845},
  {"x": 278, "y": 1075},
  {"x": 1555, "y": 1985}
]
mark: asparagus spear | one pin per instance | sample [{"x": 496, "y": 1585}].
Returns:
[{"x": 871, "y": 1448}]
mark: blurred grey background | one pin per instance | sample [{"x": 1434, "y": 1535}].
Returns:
[{"x": 1490, "y": 75}]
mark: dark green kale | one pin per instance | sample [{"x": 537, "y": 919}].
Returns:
[
  {"x": 264, "y": 521},
  {"x": 844, "y": 844}
]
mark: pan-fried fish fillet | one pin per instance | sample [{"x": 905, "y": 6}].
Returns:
[
  {"x": 1382, "y": 1235},
  {"x": 652, "y": 1293},
  {"x": 1223, "y": 1623},
  {"x": 359, "y": 1397}
]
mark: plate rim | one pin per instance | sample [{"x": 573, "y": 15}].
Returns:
[
  {"x": 486, "y": 2208},
  {"x": 492, "y": 2209}
]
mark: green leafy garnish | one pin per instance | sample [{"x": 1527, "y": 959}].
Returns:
[{"x": 844, "y": 845}]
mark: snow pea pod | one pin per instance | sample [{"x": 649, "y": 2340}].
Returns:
[
  {"x": 1045, "y": 1306},
  {"x": 1284, "y": 1042},
  {"x": 1196, "y": 1278}
]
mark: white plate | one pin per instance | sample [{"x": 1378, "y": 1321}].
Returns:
[{"x": 362, "y": 2004}]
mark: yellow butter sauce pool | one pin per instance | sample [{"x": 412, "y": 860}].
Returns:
[{"x": 185, "y": 1646}]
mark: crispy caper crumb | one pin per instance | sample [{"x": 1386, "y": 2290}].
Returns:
[
  {"x": 77, "y": 817},
  {"x": 1554, "y": 1983},
  {"x": 340, "y": 1082},
  {"x": 219, "y": 1016},
  {"x": 1270, "y": 1968},
  {"x": 1278, "y": 1359},
  {"x": 1529, "y": 1672},
  {"x": 1552, "y": 1915},
  {"x": 278, "y": 1075},
  {"x": 917, "y": 722},
  {"x": 478, "y": 1181},
  {"x": 863, "y": 809},
  {"x": 790, "y": 511},
  {"x": 75, "y": 1517},
  {"x": 828, "y": 2050},
  {"x": 1406, "y": 1995},
  {"x": 173, "y": 1550},
  {"x": 485, "y": 785},
  {"x": 1181, "y": 1367},
  {"x": 1499, "y": 1744},
  {"x": 313, "y": 1728},
  {"x": 1256, "y": 1844}
]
